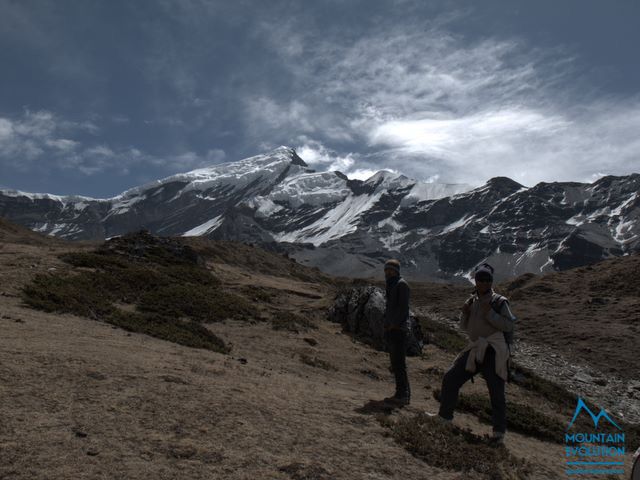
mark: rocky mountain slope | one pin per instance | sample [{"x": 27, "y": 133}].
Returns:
[{"x": 348, "y": 227}]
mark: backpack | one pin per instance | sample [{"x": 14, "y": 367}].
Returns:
[{"x": 497, "y": 301}]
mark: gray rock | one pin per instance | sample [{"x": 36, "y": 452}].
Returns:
[{"x": 360, "y": 310}]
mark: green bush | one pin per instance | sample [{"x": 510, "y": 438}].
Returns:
[
  {"x": 171, "y": 290},
  {"x": 196, "y": 302},
  {"x": 443, "y": 336}
]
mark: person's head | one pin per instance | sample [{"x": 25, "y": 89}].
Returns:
[
  {"x": 484, "y": 278},
  {"x": 392, "y": 268}
]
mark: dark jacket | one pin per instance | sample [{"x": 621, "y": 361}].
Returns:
[{"x": 396, "y": 312}]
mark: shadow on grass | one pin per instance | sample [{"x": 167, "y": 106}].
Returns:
[{"x": 376, "y": 407}]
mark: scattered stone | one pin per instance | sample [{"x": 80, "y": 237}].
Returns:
[
  {"x": 300, "y": 471},
  {"x": 174, "y": 379},
  {"x": 93, "y": 452},
  {"x": 584, "y": 378},
  {"x": 181, "y": 451},
  {"x": 96, "y": 376},
  {"x": 597, "y": 301},
  {"x": 19, "y": 320},
  {"x": 311, "y": 341},
  {"x": 371, "y": 374},
  {"x": 211, "y": 457},
  {"x": 243, "y": 361},
  {"x": 80, "y": 434}
]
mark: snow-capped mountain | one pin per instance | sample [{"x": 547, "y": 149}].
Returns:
[{"x": 350, "y": 227}]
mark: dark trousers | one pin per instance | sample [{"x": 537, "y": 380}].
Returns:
[
  {"x": 396, "y": 341},
  {"x": 457, "y": 376}
]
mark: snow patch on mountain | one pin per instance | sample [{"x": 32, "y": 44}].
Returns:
[
  {"x": 422, "y": 192},
  {"x": 385, "y": 179},
  {"x": 390, "y": 223},
  {"x": 336, "y": 223},
  {"x": 461, "y": 222},
  {"x": 47, "y": 196},
  {"x": 311, "y": 189},
  {"x": 206, "y": 227},
  {"x": 262, "y": 169},
  {"x": 264, "y": 207},
  {"x": 394, "y": 241}
]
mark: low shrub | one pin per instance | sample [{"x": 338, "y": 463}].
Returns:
[
  {"x": 171, "y": 290},
  {"x": 520, "y": 418},
  {"x": 442, "y": 335},
  {"x": 451, "y": 448}
]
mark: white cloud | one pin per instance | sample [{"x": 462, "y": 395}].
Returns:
[
  {"x": 363, "y": 173},
  {"x": 317, "y": 155},
  {"x": 63, "y": 144},
  {"x": 37, "y": 141},
  {"x": 191, "y": 160},
  {"x": 264, "y": 113},
  {"x": 421, "y": 100},
  {"x": 6, "y": 129},
  {"x": 100, "y": 150}
]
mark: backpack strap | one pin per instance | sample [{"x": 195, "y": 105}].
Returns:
[{"x": 497, "y": 301}]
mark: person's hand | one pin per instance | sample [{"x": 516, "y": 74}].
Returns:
[{"x": 466, "y": 308}]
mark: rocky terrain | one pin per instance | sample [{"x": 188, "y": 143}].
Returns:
[
  {"x": 291, "y": 396},
  {"x": 347, "y": 226}
]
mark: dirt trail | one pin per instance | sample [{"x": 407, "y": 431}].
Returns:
[{"x": 81, "y": 399}]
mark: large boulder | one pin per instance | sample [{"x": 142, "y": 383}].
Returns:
[{"x": 360, "y": 311}]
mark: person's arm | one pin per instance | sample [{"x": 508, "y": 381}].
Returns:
[
  {"x": 465, "y": 312},
  {"x": 504, "y": 320}
]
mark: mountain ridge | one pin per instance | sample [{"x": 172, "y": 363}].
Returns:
[{"x": 349, "y": 226}]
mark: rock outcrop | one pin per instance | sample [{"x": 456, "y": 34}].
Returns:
[{"x": 360, "y": 310}]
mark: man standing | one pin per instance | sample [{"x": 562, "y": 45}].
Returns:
[
  {"x": 396, "y": 329},
  {"x": 485, "y": 317}
]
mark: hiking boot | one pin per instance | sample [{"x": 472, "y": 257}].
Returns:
[
  {"x": 497, "y": 439},
  {"x": 444, "y": 421},
  {"x": 397, "y": 401}
]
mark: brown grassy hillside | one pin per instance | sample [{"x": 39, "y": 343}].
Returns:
[{"x": 293, "y": 398}]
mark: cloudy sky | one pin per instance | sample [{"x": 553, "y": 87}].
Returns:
[{"x": 98, "y": 96}]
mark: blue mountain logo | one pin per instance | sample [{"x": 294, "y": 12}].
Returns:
[{"x": 596, "y": 418}]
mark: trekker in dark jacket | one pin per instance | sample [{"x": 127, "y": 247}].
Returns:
[
  {"x": 486, "y": 352},
  {"x": 396, "y": 328}
]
